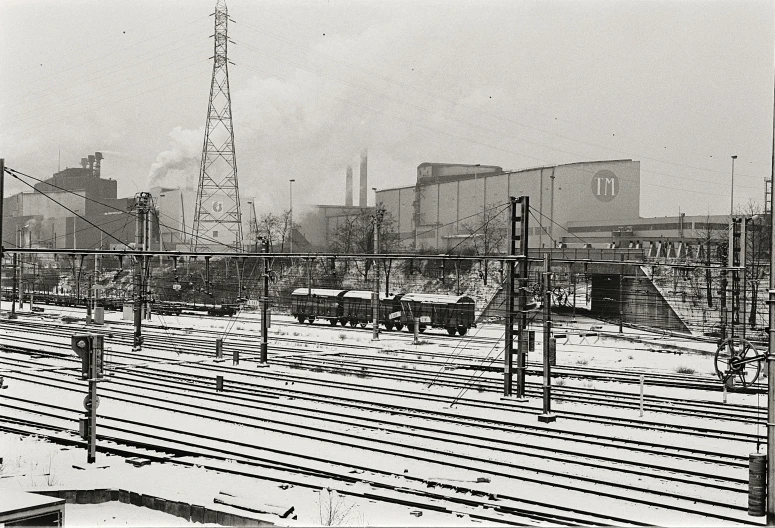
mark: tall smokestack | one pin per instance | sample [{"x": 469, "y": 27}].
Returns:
[
  {"x": 348, "y": 187},
  {"x": 364, "y": 178},
  {"x": 84, "y": 161}
]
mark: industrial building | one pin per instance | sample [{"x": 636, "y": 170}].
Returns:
[
  {"x": 451, "y": 202},
  {"x": 66, "y": 210}
]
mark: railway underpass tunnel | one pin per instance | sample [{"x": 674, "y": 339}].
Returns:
[{"x": 627, "y": 296}]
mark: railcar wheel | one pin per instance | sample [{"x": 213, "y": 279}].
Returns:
[
  {"x": 311, "y": 320},
  {"x": 362, "y": 325},
  {"x": 422, "y": 328},
  {"x": 343, "y": 322},
  {"x": 462, "y": 330},
  {"x": 731, "y": 365},
  {"x": 353, "y": 322},
  {"x": 300, "y": 318},
  {"x": 332, "y": 322},
  {"x": 399, "y": 326},
  {"x": 451, "y": 331},
  {"x": 388, "y": 326}
]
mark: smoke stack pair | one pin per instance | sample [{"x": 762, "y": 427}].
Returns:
[
  {"x": 364, "y": 178},
  {"x": 348, "y": 192},
  {"x": 97, "y": 160},
  {"x": 364, "y": 184}
]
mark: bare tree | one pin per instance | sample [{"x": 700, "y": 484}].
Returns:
[
  {"x": 276, "y": 229},
  {"x": 710, "y": 238},
  {"x": 757, "y": 253},
  {"x": 487, "y": 237},
  {"x": 355, "y": 234}
]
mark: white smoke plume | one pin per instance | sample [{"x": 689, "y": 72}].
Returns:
[{"x": 178, "y": 166}]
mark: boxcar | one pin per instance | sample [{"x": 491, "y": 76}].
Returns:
[
  {"x": 320, "y": 303},
  {"x": 357, "y": 308},
  {"x": 454, "y": 313}
]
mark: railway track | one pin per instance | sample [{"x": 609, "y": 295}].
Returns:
[
  {"x": 240, "y": 418},
  {"x": 355, "y": 367}
]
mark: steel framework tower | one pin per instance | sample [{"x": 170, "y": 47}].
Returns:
[{"x": 218, "y": 219}]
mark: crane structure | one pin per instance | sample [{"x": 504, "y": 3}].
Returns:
[{"x": 218, "y": 218}]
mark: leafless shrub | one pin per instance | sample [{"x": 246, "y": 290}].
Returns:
[{"x": 332, "y": 509}]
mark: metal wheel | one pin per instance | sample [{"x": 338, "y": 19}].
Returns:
[
  {"x": 399, "y": 326},
  {"x": 731, "y": 365},
  {"x": 388, "y": 326},
  {"x": 462, "y": 330},
  {"x": 332, "y": 322},
  {"x": 362, "y": 324},
  {"x": 451, "y": 331}
]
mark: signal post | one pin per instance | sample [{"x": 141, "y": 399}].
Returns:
[{"x": 90, "y": 348}]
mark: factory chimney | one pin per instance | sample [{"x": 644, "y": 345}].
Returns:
[
  {"x": 84, "y": 162},
  {"x": 364, "y": 182},
  {"x": 91, "y": 163},
  {"x": 97, "y": 159},
  {"x": 348, "y": 189}
]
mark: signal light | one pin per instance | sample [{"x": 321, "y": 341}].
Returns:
[
  {"x": 82, "y": 346},
  {"x": 88, "y": 347}
]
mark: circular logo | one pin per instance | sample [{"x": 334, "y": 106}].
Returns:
[
  {"x": 605, "y": 185},
  {"x": 217, "y": 207}
]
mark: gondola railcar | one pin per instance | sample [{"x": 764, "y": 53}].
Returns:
[{"x": 317, "y": 303}]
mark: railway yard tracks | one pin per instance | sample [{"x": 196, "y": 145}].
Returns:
[{"x": 391, "y": 419}]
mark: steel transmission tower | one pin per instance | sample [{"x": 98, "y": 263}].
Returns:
[{"x": 218, "y": 219}]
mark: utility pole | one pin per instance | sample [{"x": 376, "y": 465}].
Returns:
[
  {"x": 524, "y": 266},
  {"x": 378, "y": 214},
  {"x": 142, "y": 201},
  {"x": 2, "y": 199},
  {"x": 771, "y": 358},
  {"x": 547, "y": 415},
  {"x": 265, "y": 307},
  {"x": 15, "y": 279}
]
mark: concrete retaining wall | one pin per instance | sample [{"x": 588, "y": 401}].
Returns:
[{"x": 184, "y": 510}]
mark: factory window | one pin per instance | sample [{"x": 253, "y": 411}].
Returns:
[{"x": 215, "y": 233}]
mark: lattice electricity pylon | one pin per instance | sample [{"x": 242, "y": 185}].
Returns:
[{"x": 218, "y": 219}]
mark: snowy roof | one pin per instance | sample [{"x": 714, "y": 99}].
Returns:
[
  {"x": 322, "y": 292},
  {"x": 364, "y": 294},
  {"x": 428, "y": 297}
]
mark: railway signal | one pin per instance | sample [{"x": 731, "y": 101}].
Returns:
[{"x": 90, "y": 349}]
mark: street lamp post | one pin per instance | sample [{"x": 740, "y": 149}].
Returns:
[
  {"x": 290, "y": 186},
  {"x": 732, "y": 193}
]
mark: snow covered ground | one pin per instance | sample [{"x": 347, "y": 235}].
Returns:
[{"x": 273, "y": 431}]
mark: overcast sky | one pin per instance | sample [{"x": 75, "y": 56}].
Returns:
[{"x": 680, "y": 86}]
